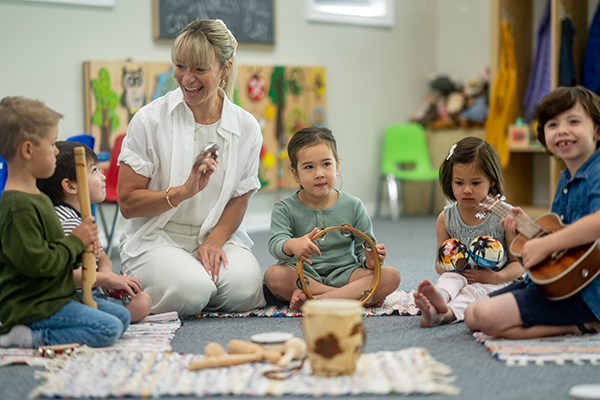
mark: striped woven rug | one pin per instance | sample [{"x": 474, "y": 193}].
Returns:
[
  {"x": 153, "y": 333},
  {"x": 575, "y": 349},
  {"x": 151, "y": 374},
  {"x": 399, "y": 302}
]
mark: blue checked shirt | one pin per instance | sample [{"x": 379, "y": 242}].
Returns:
[{"x": 575, "y": 198}]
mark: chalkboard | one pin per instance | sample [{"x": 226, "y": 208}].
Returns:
[{"x": 252, "y": 22}]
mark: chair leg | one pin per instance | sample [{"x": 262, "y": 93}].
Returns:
[
  {"x": 109, "y": 234},
  {"x": 393, "y": 193},
  {"x": 116, "y": 220},
  {"x": 432, "y": 199},
  {"x": 378, "y": 197}
]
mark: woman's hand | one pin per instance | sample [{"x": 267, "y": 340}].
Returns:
[
  {"x": 199, "y": 177},
  {"x": 381, "y": 252},
  {"x": 302, "y": 247},
  {"x": 210, "y": 254}
]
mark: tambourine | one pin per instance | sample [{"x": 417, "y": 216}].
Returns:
[{"x": 367, "y": 243}]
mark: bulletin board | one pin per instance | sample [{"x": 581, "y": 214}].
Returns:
[
  {"x": 283, "y": 99},
  {"x": 114, "y": 91}
]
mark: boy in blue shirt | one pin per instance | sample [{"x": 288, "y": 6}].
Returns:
[
  {"x": 39, "y": 303},
  {"x": 569, "y": 127}
]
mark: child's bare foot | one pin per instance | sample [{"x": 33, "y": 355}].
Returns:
[
  {"x": 435, "y": 297},
  {"x": 379, "y": 304},
  {"x": 429, "y": 315},
  {"x": 431, "y": 303},
  {"x": 298, "y": 299}
]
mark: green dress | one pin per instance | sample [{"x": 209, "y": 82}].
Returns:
[{"x": 340, "y": 255}]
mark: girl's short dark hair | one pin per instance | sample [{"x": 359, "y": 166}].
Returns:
[
  {"x": 562, "y": 99},
  {"x": 472, "y": 150},
  {"x": 309, "y": 137},
  {"x": 65, "y": 168}
]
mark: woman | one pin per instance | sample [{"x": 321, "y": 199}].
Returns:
[{"x": 184, "y": 239}]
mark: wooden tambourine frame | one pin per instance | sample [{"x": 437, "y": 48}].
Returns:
[{"x": 367, "y": 294}]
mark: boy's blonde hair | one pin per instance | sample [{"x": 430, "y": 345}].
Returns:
[{"x": 23, "y": 119}]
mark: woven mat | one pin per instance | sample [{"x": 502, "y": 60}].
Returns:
[
  {"x": 574, "y": 349},
  {"x": 150, "y": 374},
  {"x": 399, "y": 302},
  {"x": 153, "y": 333}
]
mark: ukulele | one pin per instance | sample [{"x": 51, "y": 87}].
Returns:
[{"x": 561, "y": 274}]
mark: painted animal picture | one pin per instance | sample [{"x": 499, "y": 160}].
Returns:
[{"x": 133, "y": 97}]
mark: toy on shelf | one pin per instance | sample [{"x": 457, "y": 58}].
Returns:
[{"x": 450, "y": 104}]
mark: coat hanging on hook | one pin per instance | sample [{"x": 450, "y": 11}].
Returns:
[{"x": 503, "y": 102}]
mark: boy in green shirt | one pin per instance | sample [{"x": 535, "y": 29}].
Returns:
[{"x": 39, "y": 303}]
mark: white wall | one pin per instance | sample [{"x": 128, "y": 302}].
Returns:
[
  {"x": 376, "y": 76},
  {"x": 463, "y": 37}
]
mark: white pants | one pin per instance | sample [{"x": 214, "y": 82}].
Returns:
[
  {"x": 177, "y": 281},
  {"x": 462, "y": 293}
]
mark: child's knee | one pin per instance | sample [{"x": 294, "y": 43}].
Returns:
[
  {"x": 392, "y": 275},
  {"x": 276, "y": 274},
  {"x": 478, "y": 317},
  {"x": 108, "y": 334}
]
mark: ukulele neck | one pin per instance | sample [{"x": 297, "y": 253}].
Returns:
[{"x": 524, "y": 225}]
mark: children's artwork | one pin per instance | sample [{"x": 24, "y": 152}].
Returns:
[
  {"x": 115, "y": 91},
  {"x": 283, "y": 99}
]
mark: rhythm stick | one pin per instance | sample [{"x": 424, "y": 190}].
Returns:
[{"x": 88, "y": 259}]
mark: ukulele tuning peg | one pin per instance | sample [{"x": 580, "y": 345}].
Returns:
[
  {"x": 500, "y": 197},
  {"x": 481, "y": 215}
]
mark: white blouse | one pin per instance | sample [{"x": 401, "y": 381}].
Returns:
[{"x": 159, "y": 145}]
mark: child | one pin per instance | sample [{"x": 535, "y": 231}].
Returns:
[
  {"x": 569, "y": 128},
  {"x": 39, "y": 303},
  {"x": 470, "y": 173},
  {"x": 63, "y": 191},
  {"x": 343, "y": 269}
]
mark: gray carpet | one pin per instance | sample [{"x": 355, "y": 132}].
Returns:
[{"x": 411, "y": 248}]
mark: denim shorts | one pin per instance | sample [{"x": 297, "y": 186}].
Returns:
[{"x": 537, "y": 309}]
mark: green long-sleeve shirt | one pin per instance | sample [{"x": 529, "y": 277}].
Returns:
[
  {"x": 340, "y": 255},
  {"x": 36, "y": 260}
]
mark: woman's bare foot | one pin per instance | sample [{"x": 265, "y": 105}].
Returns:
[{"x": 298, "y": 299}]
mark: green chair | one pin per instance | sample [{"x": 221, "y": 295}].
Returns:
[{"x": 405, "y": 157}]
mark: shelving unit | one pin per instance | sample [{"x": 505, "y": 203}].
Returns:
[{"x": 519, "y": 177}]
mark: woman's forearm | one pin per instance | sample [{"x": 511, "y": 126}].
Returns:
[{"x": 231, "y": 219}]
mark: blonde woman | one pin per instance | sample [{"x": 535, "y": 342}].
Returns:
[{"x": 184, "y": 237}]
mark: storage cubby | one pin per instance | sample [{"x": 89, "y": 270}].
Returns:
[{"x": 522, "y": 179}]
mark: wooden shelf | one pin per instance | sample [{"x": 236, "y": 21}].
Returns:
[
  {"x": 519, "y": 177},
  {"x": 530, "y": 149}
]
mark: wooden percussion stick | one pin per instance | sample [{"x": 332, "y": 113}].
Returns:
[
  {"x": 88, "y": 259},
  {"x": 223, "y": 361}
]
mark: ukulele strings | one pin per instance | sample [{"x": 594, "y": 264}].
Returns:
[{"x": 503, "y": 210}]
